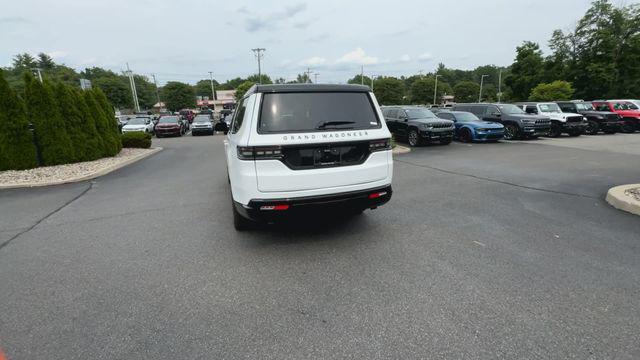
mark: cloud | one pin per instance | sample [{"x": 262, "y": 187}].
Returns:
[
  {"x": 405, "y": 58},
  {"x": 57, "y": 54},
  {"x": 314, "y": 61},
  {"x": 301, "y": 25},
  {"x": 273, "y": 20},
  {"x": 318, "y": 38},
  {"x": 13, "y": 20},
  {"x": 425, "y": 57},
  {"x": 357, "y": 56}
]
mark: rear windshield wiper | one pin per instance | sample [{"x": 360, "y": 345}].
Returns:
[{"x": 325, "y": 124}]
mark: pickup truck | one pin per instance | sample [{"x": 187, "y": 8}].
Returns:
[
  {"x": 629, "y": 112},
  {"x": 561, "y": 122}
]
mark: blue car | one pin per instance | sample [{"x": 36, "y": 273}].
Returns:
[{"x": 470, "y": 128}]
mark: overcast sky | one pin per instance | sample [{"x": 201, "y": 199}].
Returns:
[{"x": 183, "y": 40}]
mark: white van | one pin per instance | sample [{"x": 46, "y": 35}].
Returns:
[{"x": 298, "y": 147}]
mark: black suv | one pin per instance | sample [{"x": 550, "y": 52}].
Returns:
[
  {"x": 418, "y": 125},
  {"x": 517, "y": 123},
  {"x": 606, "y": 121}
]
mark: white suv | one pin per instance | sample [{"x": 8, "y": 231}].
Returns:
[{"x": 293, "y": 148}]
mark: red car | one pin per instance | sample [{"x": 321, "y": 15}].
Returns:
[
  {"x": 627, "y": 110},
  {"x": 169, "y": 126}
]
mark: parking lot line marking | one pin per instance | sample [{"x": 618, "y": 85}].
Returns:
[{"x": 479, "y": 243}]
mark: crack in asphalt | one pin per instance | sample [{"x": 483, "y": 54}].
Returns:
[
  {"x": 26, "y": 230},
  {"x": 451, "y": 172}
]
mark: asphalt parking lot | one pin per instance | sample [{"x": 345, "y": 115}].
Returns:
[{"x": 486, "y": 251}]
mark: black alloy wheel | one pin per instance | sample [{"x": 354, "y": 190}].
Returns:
[
  {"x": 592, "y": 128},
  {"x": 465, "y": 136},
  {"x": 510, "y": 132}
]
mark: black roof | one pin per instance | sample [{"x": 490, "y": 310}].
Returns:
[{"x": 282, "y": 88}]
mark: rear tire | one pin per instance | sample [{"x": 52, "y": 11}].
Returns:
[
  {"x": 413, "y": 138},
  {"x": 628, "y": 127}
]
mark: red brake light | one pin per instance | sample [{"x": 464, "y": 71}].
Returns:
[
  {"x": 279, "y": 207},
  {"x": 377, "y": 195}
]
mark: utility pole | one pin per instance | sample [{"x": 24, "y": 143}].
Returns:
[
  {"x": 258, "y": 54},
  {"x": 308, "y": 73},
  {"x": 435, "y": 90},
  {"x": 481, "y": 83},
  {"x": 499, "y": 86},
  {"x": 213, "y": 92},
  {"x": 362, "y": 75},
  {"x": 315, "y": 76},
  {"x": 134, "y": 93},
  {"x": 157, "y": 91}
]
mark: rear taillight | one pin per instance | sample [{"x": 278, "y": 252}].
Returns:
[
  {"x": 259, "y": 152},
  {"x": 380, "y": 145},
  {"x": 377, "y": 195},
  {"x": 280, "y": 207}
]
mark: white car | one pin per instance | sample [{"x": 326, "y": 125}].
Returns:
[
  {"x": 561, "y": 122},
  {"x": 139, "y": 124},
  {"x": 293, "y": 148}
]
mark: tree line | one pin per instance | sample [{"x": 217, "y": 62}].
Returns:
[{"x": 52, "y": 123}]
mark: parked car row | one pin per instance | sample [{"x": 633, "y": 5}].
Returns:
[{"x": 492, "y": 122}]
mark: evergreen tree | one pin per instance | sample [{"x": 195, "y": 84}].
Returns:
[
  {"x": 17, "y": 150},
  {"x": 51, "y": 133},
  {"x": 93, "y": 148},
  {"x": 110, "y": 146},
  {"x": 111, "y": 122},
  {"x": 73, "y": 119}
]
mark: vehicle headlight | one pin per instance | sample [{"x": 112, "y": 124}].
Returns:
[
  {"x": 584, "y": 118},
  {"x": 481, "y": 130},
  {"x": 425, "y": 127},
  {"x": 528, "y": 121}
]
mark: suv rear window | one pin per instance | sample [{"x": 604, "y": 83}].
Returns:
[{"x": 316, "y": 111}]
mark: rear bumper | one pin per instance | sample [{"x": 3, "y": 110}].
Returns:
[{"x": 354, "y": 200}]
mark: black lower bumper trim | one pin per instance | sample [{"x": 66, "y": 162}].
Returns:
[{"x": 349, "y": 201}]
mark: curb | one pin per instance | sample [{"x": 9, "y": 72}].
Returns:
[
  {"x": 94, "y": 175},
  {"x": 617, "y": 198},
  {"x": 399, "y": 149}
]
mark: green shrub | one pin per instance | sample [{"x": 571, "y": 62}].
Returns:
[
  {"x": 110, "y": 148},
  {"x": 17, "y": 150},
  {"x": 55, "y": 144},
  {"x": 136, "y": 140},
  {"x": 93, "y": 147},
  {"x": 72, "y": 116},
  {"x": 111, "y": 125}
]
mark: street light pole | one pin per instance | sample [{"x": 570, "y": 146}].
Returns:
[
  {"x": 315, "y": 76},
  {"x": 134, "y": 93},
  {"x": 157, "y": 91},
  {"x": 481, "y": 83},
  {"x": 258, "y": 54},
  {"x": 500, "y": 86},
  {"x": 435, "y": 90},
  {"x": 213, "y": 92}
]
